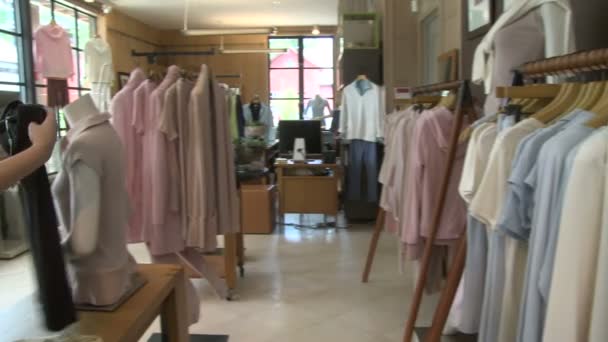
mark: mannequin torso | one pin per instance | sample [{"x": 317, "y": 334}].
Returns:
[{"x": 92, "y": 202}]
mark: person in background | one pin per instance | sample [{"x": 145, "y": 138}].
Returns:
[{"x": 43, "y": 137}]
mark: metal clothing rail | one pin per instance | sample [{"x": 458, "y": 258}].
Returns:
[{"x": 154, "y": 54}]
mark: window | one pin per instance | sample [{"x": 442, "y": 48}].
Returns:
[
  {"x": 12, "y": 79},
  {"x": 300, "y": 74},
  {"x": 81, "y": 26}
]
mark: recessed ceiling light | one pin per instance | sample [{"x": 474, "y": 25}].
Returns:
[{"x": 276, "y": 2}]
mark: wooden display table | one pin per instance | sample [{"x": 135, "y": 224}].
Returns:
[
  {"x": 164, "y": 295},
  {"x": 308, "y": 194}
]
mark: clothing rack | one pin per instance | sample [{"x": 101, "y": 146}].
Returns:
[
  {"x": 567, "y": 65},
  {"x": 151, "y": 56},
  {"x": 418, "y": 97}
]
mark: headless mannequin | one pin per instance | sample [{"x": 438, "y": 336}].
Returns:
[
  {"x": 558, "y": 39},
  {"x": 84, "y": 191}
]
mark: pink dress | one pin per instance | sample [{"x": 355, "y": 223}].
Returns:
[
  {"x": 121, "y": 108},
  {"x": 163, "y": 229},
  {"x": 426, "y": 166}
]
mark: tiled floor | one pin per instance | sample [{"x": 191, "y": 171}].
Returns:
[{"x": 299, "y": 285}]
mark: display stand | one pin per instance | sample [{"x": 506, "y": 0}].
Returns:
[{"x": 589, "y": 61}]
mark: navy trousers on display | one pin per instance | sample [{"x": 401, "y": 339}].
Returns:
[{"x": 363, "y": 155}]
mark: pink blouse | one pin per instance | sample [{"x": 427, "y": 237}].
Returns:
[
  {"x": 426, "y": 166},
  {"x": 121, "y": 108}
]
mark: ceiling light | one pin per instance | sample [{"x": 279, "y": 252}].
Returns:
[
  {"x": 315, "y": 30},
  {"x": 237, "y": 51},
  {"x": 89, "y": 1},
  {"x": 276, "y": 2},
  {"x": 220, "y": 32},
  {"x": 106, "y": 8}
]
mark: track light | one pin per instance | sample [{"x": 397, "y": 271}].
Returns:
[
  {"x": 315, "y": 30},
  {"x": 107, "y": 9}
]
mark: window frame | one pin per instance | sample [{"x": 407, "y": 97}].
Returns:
[
  {"x": 18, "y": 35},
  {"x": 301, "y": 71},
  {"x": 77, "y": 13}
]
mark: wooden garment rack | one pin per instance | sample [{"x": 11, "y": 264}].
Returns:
[
  {"x": 580, "y": 62},
  {"x": 419, "y": 97},
  {"x": 464, "y": 105}
]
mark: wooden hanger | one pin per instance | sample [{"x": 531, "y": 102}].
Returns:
[
  {"x": 448, "y": 101},
  {"x": 601, "y": 111},
  {"x": 567, "y": 95},
  {"x": 361, "y": 77}
]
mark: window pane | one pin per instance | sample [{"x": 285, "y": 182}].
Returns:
[
  {"x": 284, "y": 83},
  {"x": 81, "y": 66},
  {"x": 86, "y": 29},
  {"x": 288, "y": 59},
  {"x": 9, "y": 59},
  {"x": 285, "y": 110},
  {"x": 65, "y": 17},
  {"x": 319, "y": 52},
  {"x": 41, "y": 13},
  {"x": 73, "y": 81},
  {"x": 7, "y": 15},
  {"x": 10, "y": 93},
  {"x": 319, "y": 82}
]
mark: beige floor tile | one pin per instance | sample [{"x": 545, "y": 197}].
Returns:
[{"x": 299, "y": 285}]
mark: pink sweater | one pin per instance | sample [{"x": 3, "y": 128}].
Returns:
[{"x": 53, "y": 52}]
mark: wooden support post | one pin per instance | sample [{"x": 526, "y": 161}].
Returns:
[
  {"x": 230, "y": 259},
  {"x": 448, "y": 293},
  {"x": 373, "y": 244}
]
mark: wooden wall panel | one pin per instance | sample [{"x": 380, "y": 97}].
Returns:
[
  {"x": 124, "y": 34},
  {"x": 253, "y": 67}
]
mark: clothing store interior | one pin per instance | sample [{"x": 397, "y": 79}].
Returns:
[{"x": 321, "y": 170}]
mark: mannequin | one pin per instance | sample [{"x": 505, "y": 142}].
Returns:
[
  {"x": 318, "y": 105},
  {"x": 256, "y": 107},
  {"x": 557, "y": 35},
  {"x": 93, "y": 207},
  {"x": 258, "y": 112}
]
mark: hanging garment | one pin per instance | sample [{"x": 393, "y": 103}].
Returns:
[
  {"x": 54, "y": 292},
  {"x": 522, "y": 199},
  {"x": 426, "y": 165},
  {"x": 240, "y": 116},
  {"x": 571, "y": 297},
  {"x": 599, "y": 329},
  {"x": 98, "y": 62},
  {"x": 485, "y": 207},
  {"x": 104, "y": 276},
  {"x": 127, "y": 105},
  {"x": 122, "y": 111},
  {"x": 468, "y": 318},
  {"x": 203, "y": 220},
  {"x": 99, "y": 72},
  {"x": 53, "y": 52},
  {"x": 161, "y": 201},
  {"x": 265, "y": 118},
  {"x": 363, "y": 154},
  {"x": 57, "y": 93},
  {"x": 234, "y": 124},
  {"x": 174, "y": 125},
  {"x": 362, "y": 115},
  {"x": 226, "y": 200}
]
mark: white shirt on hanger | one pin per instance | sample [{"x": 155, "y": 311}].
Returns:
[{"x": 363, "y": 111}]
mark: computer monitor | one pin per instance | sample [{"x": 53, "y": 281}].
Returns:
[{"x": 310, "y": 130}]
